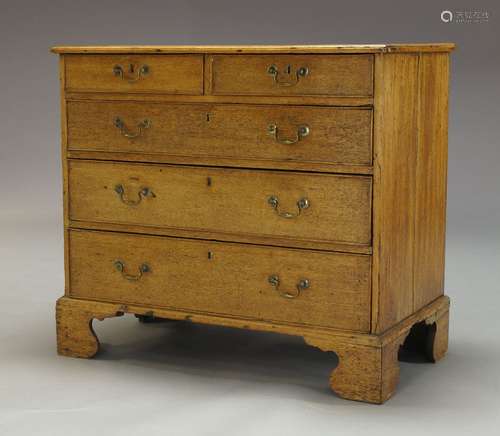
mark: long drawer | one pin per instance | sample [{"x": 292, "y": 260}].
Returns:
[
  {"x": 274, "y": 133},
  {"x": 338, "y": 75},
  {"x": 276, "y": 284},
  {"x": 166, "y": 74},
  {"x": 299, "y": 206}
]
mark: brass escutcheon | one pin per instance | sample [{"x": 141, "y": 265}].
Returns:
[
  {"x": 133, "y": 74},
  {"x": 278, "y": 78}
]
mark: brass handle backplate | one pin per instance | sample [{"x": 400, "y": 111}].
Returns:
[
  {"x": 120, "y": 267},
  {"x": 278, "y": 78},
  {"x": 131, "y": 74},
  {"x": 141, "y": 127},
  {"x": 302, "y": 132},
  {"x": 143, "y": 192},
  {"x": 302, "y": 204},
  {"x": 302, "y": 284}
]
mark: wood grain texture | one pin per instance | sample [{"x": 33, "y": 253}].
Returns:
[
  {"x": 235, "y": 49},
  {"x": 336, "y": 136},
  {"x": 371, "y": 374},
  {"x": 300, "y": 100},
  {"x": 431, "y": 172},
  {"x": 223, "y": 200},
  {"x": 429, "y": 338},
  {"x": 364, "y": 373},
  {"x": 409, "y": 209},
  {"x": 368, "y": 369},
  {"x": 75, "y": 335},
  {"x": 367, "y": 374},
  {"x": 222, "y": 278},
  {"x": 439, "y": 338},
  {"x": 322, "y": 167},
  {"x": 348, "y": 75},
  {"x": 64, "y": 168},
  {"x": 208, "y": 234},
  {"x": 175, "y": 74},
  {"x": 395, "y": 144},
  {"x": 430, "y": 313},
  {"x": 310, "y": 333}
]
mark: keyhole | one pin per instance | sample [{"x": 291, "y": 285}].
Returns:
[
  {"x": 208, "y": 117},
  {"x": 288, "y": 69},
  {"x": 209, "y": 181},
  {"x": 210, "y": 255},
  {"x": 131, "y": 68}
]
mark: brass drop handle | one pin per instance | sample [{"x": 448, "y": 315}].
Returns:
[
  {"x": 299, "y": 72},
  {"x": 302, "y": 284},
  {"x": 134, "y": 73},
  {"x": 141, "y": 127},
  {"x": 302, "y": 204},
  {"x": 302, "y": 132},
  {"x": 143, "y": 192},
  {"x": 120, "y": 267}
]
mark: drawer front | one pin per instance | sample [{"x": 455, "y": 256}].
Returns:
[
  {"x": 276, "y": 284},
  {"x": 275, "y": 133},
  {"x": 169, "y": 74},
  {"x": 320, "y": 207},
  {"x": 327, "y": 75}
]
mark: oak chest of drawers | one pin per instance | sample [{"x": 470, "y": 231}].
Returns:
[{"x": 295, "y": 189}]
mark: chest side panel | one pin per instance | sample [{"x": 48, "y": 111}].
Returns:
[{"x": 410, "y": 143}]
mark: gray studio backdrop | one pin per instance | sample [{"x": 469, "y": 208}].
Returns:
[{"x": 31, "y": 257}]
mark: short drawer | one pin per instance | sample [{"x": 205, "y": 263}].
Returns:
[
  {"x": 326, "y": 75},
  {"x": 168, "y": 74},
  {"x": 300, "y": 206},
  {"x": 273, "y": 133},
  {"x": 287, "y": 285}
]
